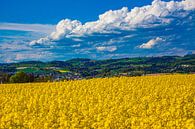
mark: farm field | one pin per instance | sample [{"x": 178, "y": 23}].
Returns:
[{"x": 164, "y": 101}]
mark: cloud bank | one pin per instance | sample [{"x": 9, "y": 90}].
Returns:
[{"x": 158, "y": 13}]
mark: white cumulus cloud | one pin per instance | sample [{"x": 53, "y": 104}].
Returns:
[
  {"x": 157, "y": 13},
  {"x": 151, "y": 43},
  {"x": 107, "y": 48},
  {"x": 41, "y": 41},
  {"x": 65, "y": 27}
]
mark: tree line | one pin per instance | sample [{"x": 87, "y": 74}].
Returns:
[{"x": 22, "y": 77}]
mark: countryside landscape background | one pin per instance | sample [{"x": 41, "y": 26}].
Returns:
[
  {"x": 76, "y": 69},
  {"x": 91, "y": 64}
]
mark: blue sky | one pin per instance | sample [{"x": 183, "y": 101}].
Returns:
[
  {"x": 65, "y": 29},
  {"x": 52, "y": 11}
]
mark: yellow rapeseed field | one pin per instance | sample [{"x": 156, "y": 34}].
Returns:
[{"x": 166, "y": 101}]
